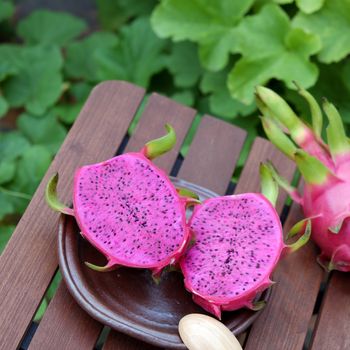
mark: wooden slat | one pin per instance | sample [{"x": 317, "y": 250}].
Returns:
[
  {"x": 29, "y": 260},
  {"x": 217, "y": 146},
  {"x": 82, "y": 331},
  {"x": 284, "y": 322},
  {"x": 332, "y": 328},
  {"x": 159, "y": 111}
]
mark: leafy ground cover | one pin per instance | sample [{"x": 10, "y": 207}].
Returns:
[{"x": 202, "y": 53}]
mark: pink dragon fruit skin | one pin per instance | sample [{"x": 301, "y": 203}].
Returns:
[
  {"x": 325, "y": 169},
  {"x": 238, "y": 242},
  {"x": 129, "y": 210}
]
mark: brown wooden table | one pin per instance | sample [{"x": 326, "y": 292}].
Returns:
[{"x": 297, "y": 313}]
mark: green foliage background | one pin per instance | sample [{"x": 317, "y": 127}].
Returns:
[{"x": 203, "y": 53}]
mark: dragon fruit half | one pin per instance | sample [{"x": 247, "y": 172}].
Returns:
[
  {"x": 324, "y": 167},
  {"x": 238, "y": 242},
  {"x": 128, "y": 209}
]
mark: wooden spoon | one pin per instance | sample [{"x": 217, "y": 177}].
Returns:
[{"x": 201, "y": 332}]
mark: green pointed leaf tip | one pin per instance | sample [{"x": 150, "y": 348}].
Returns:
[
  {"x": 184, "y": 192},
  {"x": 278, "y": 137},
  {"x": 313, "y": 171},
  {"x": 280, "y": 110},
  {"x": 281, "y": 181},
  {"x": 302, "y": 240},
  {"x": 258, "y": 305},
  {"x": 157, "y": 147},
  {"x": 337, "y": 139},
  {"x": 51, "y": 197},
  {"x": 269, "y": 187},
  {"x": 106, "y": 268},
  {"x": 316, "y": 113},
  {"x": 297, "y": 228}
]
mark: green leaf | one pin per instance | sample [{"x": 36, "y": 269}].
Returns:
[
  {"x": 38, "y": 82},
  {"x": 333, "y": 83},
  {"x": 221, "y": 102},
  {"x": 185, "y": 97},
  {"x": 50, "y": 28},
  {"x": 7, "y": 170},
  {"x": 12, "y": 145},
  {"x": 80, "y": 91},
  {"x": 211, "y": 24},
  {"x": 112, "y": 14},
  {"x": 5, "y": 235},
  {"x": 310, "y": 6},
  {"x": 67, "y": 113},
  {"x": 79, "y": 55},
  {"x": 54, "y": 285},
  {"x": 41, "y": 310},
  {"x": 183, "y": 63},
  {"x": 31, "y": 167},
  {"x": 6, "y": 9},
  {"x": 6, "y": 207},
  {"x": 136, "y": 58},
  {"x": 3, "y": 106},
  {"x": 271, "y": 48},
  {"x": 45, "y": 131},
  {"x": 332, "y": 24},
  {"x": 260, "y": 3}
]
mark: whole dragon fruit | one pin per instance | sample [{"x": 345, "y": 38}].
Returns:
[
  {"x": 128, "y": 209},
  {"x": 238, "y": 242},
  {"x": 324, "y": 167}
]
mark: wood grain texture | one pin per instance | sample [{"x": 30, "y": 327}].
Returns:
[
  {"x": 215, "y": 148},
  {"x": 80, "y": 332},
  {"x": 284, "y": 322},
  {"x": 29, "y": 260},
  {"x": 209, "y": 129},
  {"x": 159, "y": 111},
  {"x": 332, "y": 328}
]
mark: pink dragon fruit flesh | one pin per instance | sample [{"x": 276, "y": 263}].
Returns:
[
  {"x": 128, "y": 209},
  {"x": 238, "y": 242},
  {"x": 325, "y": 169}
]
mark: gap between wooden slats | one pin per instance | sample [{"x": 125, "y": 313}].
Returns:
[
  {"x": 332, "y": 327},
  {"x": 220, "y": 144},
  {"x": 151, "y": 125},
  {"x": 29, "y": 260},
  {"x": 285, "y": 321}
]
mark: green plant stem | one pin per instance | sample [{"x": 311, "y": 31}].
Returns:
[{"x": 15, "y": 194}]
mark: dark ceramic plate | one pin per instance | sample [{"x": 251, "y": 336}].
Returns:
[{"x": 128, "y": 300}]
